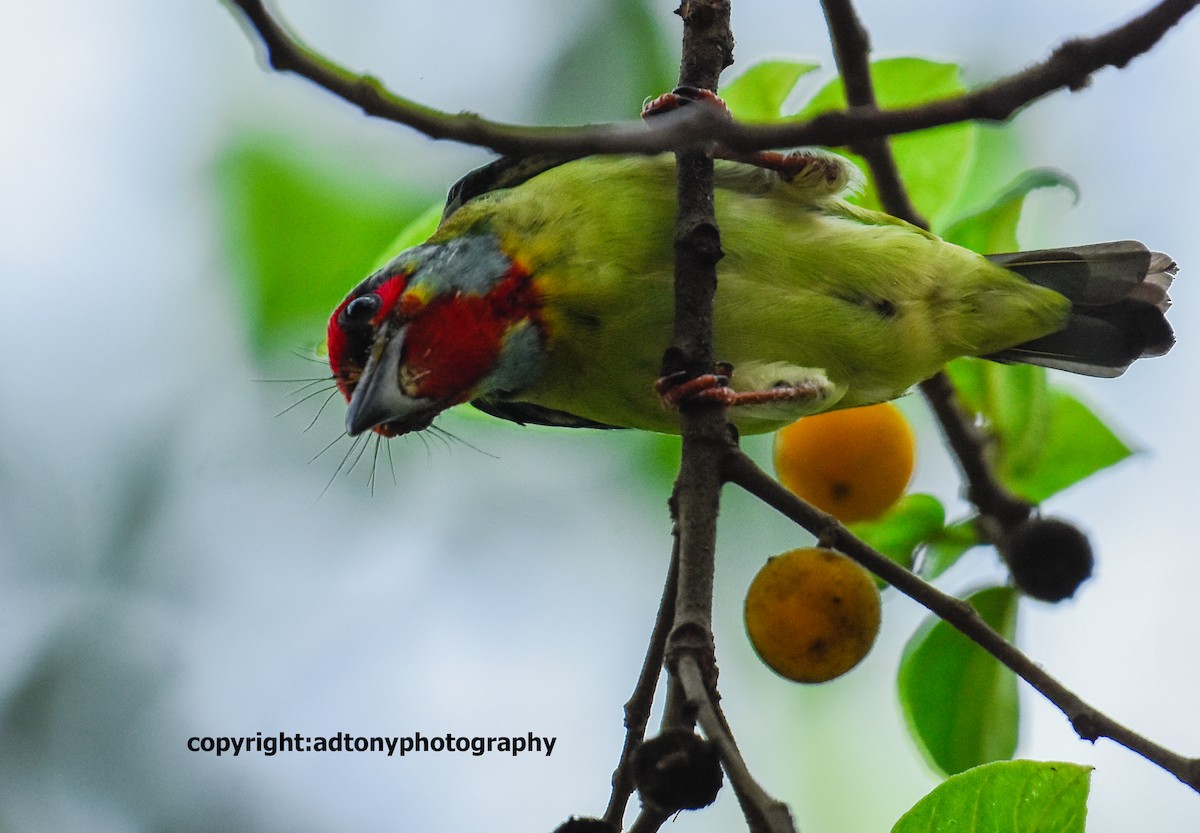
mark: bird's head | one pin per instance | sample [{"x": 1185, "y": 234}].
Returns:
[{"x": 441, "y": 324}]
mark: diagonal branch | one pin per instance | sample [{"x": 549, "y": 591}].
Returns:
[
  {"x": 285, "y": 52},
  {"x": 764, "y": 814},
  {"x": 1069, "y": 67},
  {"x": 1088, "y": 722},
  {"x": 1003, "y": 510},
  {"x": 852, "y": 51}
]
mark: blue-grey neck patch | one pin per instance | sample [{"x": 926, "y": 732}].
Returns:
[
  {"x": 520, "y": 361},
  {"x": 470, "y": 264}
]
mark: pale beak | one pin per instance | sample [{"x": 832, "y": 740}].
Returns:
[{"x": 378, "y": 397}]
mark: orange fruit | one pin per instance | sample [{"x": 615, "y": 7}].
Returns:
[
  {"x": 812, "y": 614},
  {"x": 854, "y": 463}
]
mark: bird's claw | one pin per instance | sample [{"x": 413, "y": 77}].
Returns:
[
  {"x": 681, "y": 97},
  {"x": 680, "y": 390},
  {"x": 789, "y": 164}
]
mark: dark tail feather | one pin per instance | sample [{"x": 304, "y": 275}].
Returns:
[{"x": 1118, "y": 294}]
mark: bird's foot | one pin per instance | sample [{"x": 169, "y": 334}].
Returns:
[
  {"x": 816, "y": 169},
  {"x": 679, "y": 390},
  {"x": 810, "y": 166},
  {"x": 681, "y": 97}
]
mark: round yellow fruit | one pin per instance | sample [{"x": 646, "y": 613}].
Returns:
[
  {"x": 812, "y": 614},
  {"x": 854, "y": 463}
]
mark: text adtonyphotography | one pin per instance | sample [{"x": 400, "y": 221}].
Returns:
[{"x": 268, "y": 745}]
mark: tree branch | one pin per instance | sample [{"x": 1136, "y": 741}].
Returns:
[
  {"x": 1070, "y": 67},
  {"x": 1087, "y": 721},
  {"x": 998, "y": 507},
  {"x": 696, "y": 497},
  {"x": 695, "y": 501},
  {"x": 852, "y": 51},
  {"x": 707, "y": 437},
  {"x": 287, "y": 53},
  {"x": 994, "y": 501}
]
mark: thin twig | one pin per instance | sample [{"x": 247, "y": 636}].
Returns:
[
  {"x": 995, "y": 503},
  {"x": 764, "y": 814},
  {"x": 852, "y": 52},
  {"x": 1088, "y": 722},
  {"x": 1070, "y": 67},
  {"x": 637, "y": 709},
  {"x": 285, "y": 52}
]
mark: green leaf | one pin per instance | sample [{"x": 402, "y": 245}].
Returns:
[
  {"x": 1018, "y": 408},
  {"x": 1045, "y": 439},
  {"x": 619, "y": 57},
  {"x": 960, "y": 702},
  {"x": 994, "y": 228},
  {"x": 948, "y": 545},
  {"x": 967, "y": 376},
  {"x": 998, "y": 152},
  {"x": 903, "y": 527},
  {"x": 758, "y": 93},
  {"x": 301, "y": 233},
  {"x": 933, "y": 163},
  {"x": 1015, "y": 401},
  {"x": 1076, "y": 445},
  {"x": 1005, "y": 797}
]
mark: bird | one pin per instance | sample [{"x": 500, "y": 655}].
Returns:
[{"x": 550, "y": 301}]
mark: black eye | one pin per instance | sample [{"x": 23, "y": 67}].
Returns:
[{"x": 360, "y": 311}]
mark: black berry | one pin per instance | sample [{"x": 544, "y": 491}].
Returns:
[
  {"x": 1048, "y": 558},
  {"x": 677, "y": 770}
]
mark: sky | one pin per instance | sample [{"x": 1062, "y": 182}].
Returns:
[{"x": 173, "y": 566}]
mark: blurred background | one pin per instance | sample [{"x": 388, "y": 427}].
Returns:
[{"x": 179, "y": 558}]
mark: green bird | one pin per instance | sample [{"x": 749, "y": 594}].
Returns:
[{"x": 551, "y": 302}]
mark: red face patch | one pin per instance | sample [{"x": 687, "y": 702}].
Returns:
[{"x": 456, "y": 340}]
